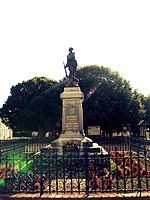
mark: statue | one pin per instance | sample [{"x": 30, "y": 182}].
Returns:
[
  {"x": 71, "y": 63},
  {"x": 72, "y": 66}
]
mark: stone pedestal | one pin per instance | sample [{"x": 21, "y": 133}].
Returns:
[
  {"x": 72, "y": 134},
  {"x": 72, "y": 119},
  {"x": 72, "y": 113}
]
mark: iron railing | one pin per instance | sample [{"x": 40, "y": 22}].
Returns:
[{"x": 40, "y": 171}]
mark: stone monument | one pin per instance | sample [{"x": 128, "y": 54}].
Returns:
[{"x": 72, "y": 112}]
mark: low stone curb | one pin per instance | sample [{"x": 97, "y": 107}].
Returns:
[{"x": 101, "y": 196}]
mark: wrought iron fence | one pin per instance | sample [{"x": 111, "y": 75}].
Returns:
[
  {"x": 124, "y": 143},
  {"x": 119, "y": 171}
]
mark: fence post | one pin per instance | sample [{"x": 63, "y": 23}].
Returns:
[
  {"x": 124, "y": 161},
  {"x": 56, "y": 161},
  {"x": 87, "y": 172},
  {"x": 6, "y": 168},
  {"x": 64, "y": 184},
  {"x": 49, "y": 172},
  {"x": 131, "y": 157},
  {"x": 145, "y": 160},
  {"x": 41, "y": 174},
  {"x": 139, "y": 176},
  {"x": 116, "y": 167}
]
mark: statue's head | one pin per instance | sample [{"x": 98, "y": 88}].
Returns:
[{"x": 70, "y": 49}]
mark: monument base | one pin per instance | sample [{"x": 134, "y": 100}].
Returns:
[
  {"x": 63, "y": 146},
  {"x": 72, "y": 137},
  {"x": 71, "y": 142}
]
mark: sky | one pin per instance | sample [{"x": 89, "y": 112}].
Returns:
[{"x": 35, "y": 36}]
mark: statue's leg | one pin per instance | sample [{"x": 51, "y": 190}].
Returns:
[
  {"x": 74, "y": 70},
  {"x": 71, "y": 72}
]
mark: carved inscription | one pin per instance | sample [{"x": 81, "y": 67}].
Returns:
[
  {"x": 68, "y": 104},
  {"x": 72, "y": 122}
]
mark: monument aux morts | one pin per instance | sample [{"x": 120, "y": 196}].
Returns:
[{"x": 72, "y": 136}]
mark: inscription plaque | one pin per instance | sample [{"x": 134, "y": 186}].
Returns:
[
  {"x": 72, "y": 120},
  {"x": 72, "y": 113}
]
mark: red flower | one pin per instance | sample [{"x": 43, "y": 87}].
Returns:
[
  {"x": 128, "y": 170},
  {"x": 105, "y": 170},
  {"x": 143, "y": 171},
  {"x": 127, "y": 159},
  {"x": 22, "y": 185},
  {"x": 10, "y": 168},
  {"x": 38, "y": 177},
  {"x": 3, "y": 171},
  {"x": 92, "y": 174},
  {"x": 121, "y": 176},
  {"x": 113, "y": 154},
  {"x": 119, "y": 154},
  {"x": 1, "y": 176},
  {"x": 95, "y": 182},
  {"x": 122, "y": 164},
  {"x": 148, "y": 174},
  {"x": 135, "y": 163},
  {"x": 127, "y": 163},
  {"x": 37, "y": 186},
  {"x": 119, "y": 171},
  {"x": 120, "y": 161},
  {"x": 3, "y": 168},
  {"x": 135, "y": 168},
  {"x": 133, "y": 175},
  {"x": 140, "y": 166},
  {"x": 109, "y": 183}
]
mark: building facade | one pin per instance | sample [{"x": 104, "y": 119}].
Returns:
[{"x": 5, "y": 132}]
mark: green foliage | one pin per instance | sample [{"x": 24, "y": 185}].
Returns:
[
  {"x": 29, "y": 108},
  {"x": 35, "y": 105},
  {"x": 137, "y": 109},
  {"x": 109, "y": 104},
  {"x": 146, "y": 102}
]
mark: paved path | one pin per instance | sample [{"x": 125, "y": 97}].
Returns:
[{"x": 100, "y": 196}]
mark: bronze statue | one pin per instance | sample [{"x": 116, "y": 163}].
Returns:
[
  {"x": 72, "y": 66},
  {"x": 71, "y": 63}
]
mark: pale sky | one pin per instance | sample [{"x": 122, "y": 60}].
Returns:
[{"x": 35, "y": 36}]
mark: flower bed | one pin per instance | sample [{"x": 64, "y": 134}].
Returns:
[
  {"x": 121, "y": 171},
  {"x": 130, "y": 171}
]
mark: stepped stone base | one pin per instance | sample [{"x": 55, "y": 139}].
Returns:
[
  {"x": 72, "y": 135},
  {"x": 72, "y": 120}
]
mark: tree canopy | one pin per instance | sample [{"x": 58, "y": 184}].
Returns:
[
  {"x": 146, "y": 102},
  {"x": 110, "y": 102},
  {"x": 32, "y": 105}
]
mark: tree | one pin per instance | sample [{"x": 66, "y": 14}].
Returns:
[
  {"x": 35, "y": 105},
  {"x": 29, "y": 107},
  {"x": 47, "y": 108},
  {"x": 146, "y": 101},
  {"x": 108, "y": 98},
  {"x": 137, "y": 110}
]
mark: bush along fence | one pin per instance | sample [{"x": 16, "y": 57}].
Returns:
[{"x": 119, "y": 171}]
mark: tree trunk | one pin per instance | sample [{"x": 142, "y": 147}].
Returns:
[{"x": 41, "y": 131}]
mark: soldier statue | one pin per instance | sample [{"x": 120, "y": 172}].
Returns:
[
  {"x": 72, "y": 66},
  {"x": 71, "y": 63}
]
